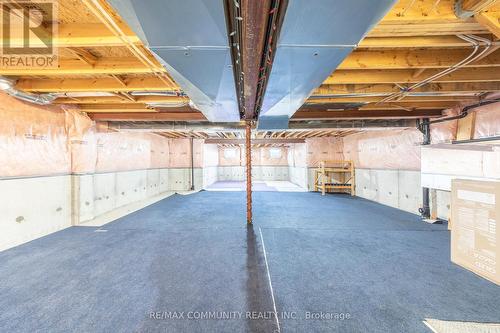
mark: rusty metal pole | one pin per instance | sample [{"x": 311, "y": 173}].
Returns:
[{"x": 248, "y": 146}]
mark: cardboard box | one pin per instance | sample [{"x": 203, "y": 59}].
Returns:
[{"x": 475, "y": 238}]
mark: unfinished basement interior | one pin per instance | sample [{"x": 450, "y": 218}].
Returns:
[{"x": 250, "y": 166}]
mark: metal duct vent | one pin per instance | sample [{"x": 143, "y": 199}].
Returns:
[
  {"x": 8, "y": 86},
  {"x": 315, "y": 38},
  {"x": 189, "y": 37}
]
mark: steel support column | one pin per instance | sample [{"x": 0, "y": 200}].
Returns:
[
  {"x": 425, "y": 210},
  {"x": 248, "y": 146}
]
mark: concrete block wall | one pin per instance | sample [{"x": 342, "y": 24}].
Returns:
[{"x": 396, "y": 188}]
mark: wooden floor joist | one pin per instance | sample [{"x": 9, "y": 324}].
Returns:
[
  {"x": 406, "y": 76},
  {"x": 407, "y": 101},
  {"x": 129, "y": 107},
  {"x": 377, "y": 105},
  {"x": 254, "y": 141},
  {"x": 436, "y": 28},
  {"x": 362, "y": 114},
  {"x": 129, "y": 65},
  {"x": 121, "y": 99},
  {"x": 414, "y": 42},
  {"x": 86, "y": 35},
  {"x": 459, "y": 88},
  {"x": 148, "y": 116},
  {"x": 402, "y": 59},
  {"x": 103, "y": 84},
  {"x": 99, "y": 53}
]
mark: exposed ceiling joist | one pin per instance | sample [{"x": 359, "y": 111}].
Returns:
[
  {"x": 445, "y": 88},
  {"x": 130, "y": 107},
  {"x": 476, "y": 6},
  {"x": 254, "y": 141},
  {"x": 403, "y": 104},
  {"x": 406, "y": 76},
  {"x": 402, "y": 59},
  {"x": 93, "y": 108},
  {"x": 393, "y": 105},
  {"x": 104, "y": 84},
  {"x": 296, "y": 127},
  {"x": 425, "y": 18},
  {"x": 148, "y": 116},
  {"x": 489, "y": 21},
  {"x": 407, "y": 101},
  {"x": 108, "y": 84},
  {"x": 429, "y": 28},
  {"x": 84, "y": 55},
  {"x": 102, "y": 10},
  {"x": 300, "y": 115},
  {"x": 347, "y": 124},
  {"x": 77, "y": 35},
  {"x": 413, "y": 42},
  {"x": 129, "y": 65},
  {"x": 364, "y": 114},
  {"x": 120, "y": 99}
]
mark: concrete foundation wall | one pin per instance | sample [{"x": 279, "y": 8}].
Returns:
[
  {"x": 299, "y": 176},
  {"x": 396, "y": 188},
  {"x": 34, "y": 207},
  {"x": 310, "y": 179},
  {"x": 443, "y": 201},
  {"x": 228, "y": 173},
  {"x": 210, "y": 175},
  {"x": 442, "y": 163},
  {"x": 238, "y": 173},
  {"x": 180, "y": 179},
  {"x": 270, "y": 173}
]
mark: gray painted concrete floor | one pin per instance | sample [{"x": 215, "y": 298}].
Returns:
[{"x": 194, "y": 255}]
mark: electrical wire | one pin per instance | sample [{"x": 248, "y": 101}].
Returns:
[
  {"x": 404, "y": 91},
  {"x": 473, "y": 56}
]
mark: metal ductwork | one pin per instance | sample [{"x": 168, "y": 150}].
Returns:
[
  {"x": 8, "y": 86},
  {"x": 316, "y": 36},
  {"x": 189, "y": 37},
  {"x": 177, "y": 126},
  {"x": 159, "y": 126}
]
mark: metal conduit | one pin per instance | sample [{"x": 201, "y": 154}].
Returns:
[{"x": 473, "y": 56}]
